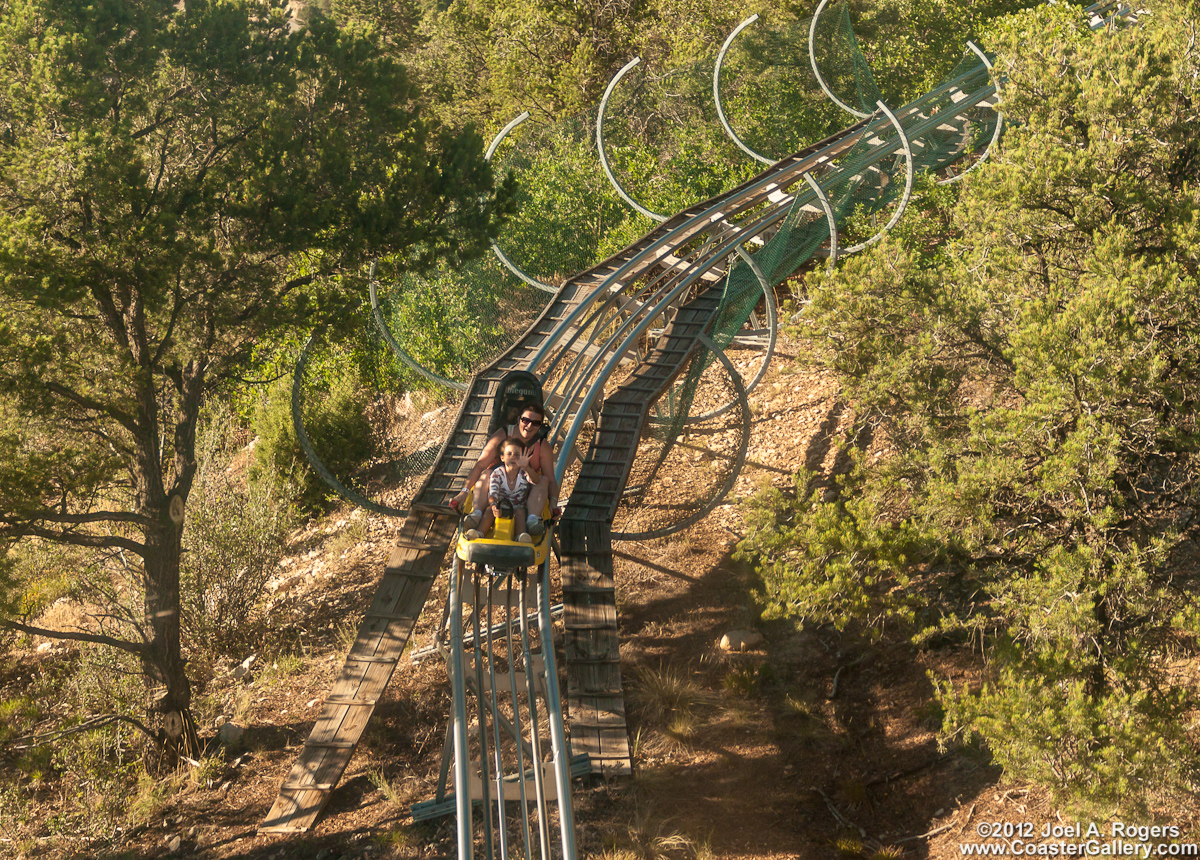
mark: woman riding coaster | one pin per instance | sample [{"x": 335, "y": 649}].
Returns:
[{"x": 543, "y": 489}]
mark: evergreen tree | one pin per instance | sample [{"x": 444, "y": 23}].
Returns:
[
  {"x": 178, "y": 182},
  {"x": 1031, "y": 352}
]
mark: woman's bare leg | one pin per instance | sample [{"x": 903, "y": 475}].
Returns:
[
  {"x": 479, "y": 500},
  {"x": 485, "y": 524},
  {"x": 479, "y": 503},
  {"x": 537, "y": 498}
]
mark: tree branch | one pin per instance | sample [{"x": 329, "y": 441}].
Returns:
[
  {"x": 176, "y": 308},
  {"x": 98, "y": 517},
  {"x": 109, "y": 313},
  {"x": 134, "y": 648},
  {"x": 29, "y": 741},
  {"x": 120, "y": 416},
  {"x": 84, "y": 540},
  {"x": 256, "y": 307}
]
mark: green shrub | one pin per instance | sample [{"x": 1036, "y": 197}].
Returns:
[
  {"x": 334, "y": 411},
  {"x": 1028, "y": 354},
  {"x": 233, "y": 537},
  {"x": 41, "y": 572},
  {"x": 92, "y": 767},
  {"x": 17, "y": 716},
  {"x": 152, "y": 797}
]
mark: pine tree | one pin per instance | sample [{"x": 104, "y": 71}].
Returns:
[
  {"x": 1032, "y": 352},
  {"x": 176, "y": 184}
]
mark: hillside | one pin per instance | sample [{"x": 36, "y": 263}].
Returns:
[{"x": 813, "y": 744}]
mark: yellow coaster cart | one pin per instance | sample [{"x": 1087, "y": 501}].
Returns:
[{"x": 499, "y": 549}]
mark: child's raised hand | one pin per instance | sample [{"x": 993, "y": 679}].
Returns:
[{"x": 523, "y": 460}]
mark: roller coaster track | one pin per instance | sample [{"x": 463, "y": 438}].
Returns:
[
  {"x": 664, "y": 273},
  {"x": 671, "y": 283}
]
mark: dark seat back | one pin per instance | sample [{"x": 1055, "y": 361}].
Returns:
[{"x": 518, "y": 389}]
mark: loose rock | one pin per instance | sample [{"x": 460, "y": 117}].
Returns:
[
  {"x": 230, "y": 735},
  {"x": 740, "y": 640}
]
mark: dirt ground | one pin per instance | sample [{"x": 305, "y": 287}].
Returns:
[{"x": 814, "y": 744}]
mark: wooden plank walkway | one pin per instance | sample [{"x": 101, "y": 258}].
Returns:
[
  {"x": 595, "y": 698},
  {"x": 596, "y": 702},
  {"x": 414, "y": 563}
]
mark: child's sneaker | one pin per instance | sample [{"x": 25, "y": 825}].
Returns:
[
  {"x": 524, "y": 538},
  {"x": 472, "y": 534},
  {"x": 534, "y": 524}
]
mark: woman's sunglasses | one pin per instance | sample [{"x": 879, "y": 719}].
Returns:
[{"x": 532, "y": 422}]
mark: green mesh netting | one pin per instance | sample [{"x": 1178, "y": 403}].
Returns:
[
  {"x": 868, "y": 179},
  {"x": 842, "y": 64},
  {"x": 706, "y": 456}
]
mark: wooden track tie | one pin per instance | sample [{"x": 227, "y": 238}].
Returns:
[
  {"x": 349, "y": 700},
  {"x": 419, "y": 547},
  {"x": 426, "y": 508},
  {"x": 387, "y": 616},
  {"x": 587, "y": 589}
]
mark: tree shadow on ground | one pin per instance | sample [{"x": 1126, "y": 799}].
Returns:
[{"x": 840, "y": 729}]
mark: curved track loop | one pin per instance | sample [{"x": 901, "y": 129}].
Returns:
[
  {"x": 608, "y": 91},
  {"x": 772, "y": 323},
  {"x": 319, "y": 465},
  {"x": 999, "y": 119},
  {"x": 812, "y": 58},
  {"x": 762, "y": 159},
  {"x": 823, "y": 199},
  {"x": 386, "y": 334},
  {"x": 908, "y": 186},
  {"x": 500, "y": 255}
]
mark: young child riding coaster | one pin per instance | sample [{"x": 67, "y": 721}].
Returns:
[{"x": 509, "y": 483}]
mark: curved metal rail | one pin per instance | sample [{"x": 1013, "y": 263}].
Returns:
[
  {"x": 600, "y": 114},
  {"x": 386, "y": 333},
  {"x": 812, "y": 58},
  {"x": 908, "y": 185},
  {"x": 975, "y": 49},
  {"x": 739, "y": 457},
  {"x": 306, "y": 445},
  {"x": 500, "y": 255},
  {"x": 762, "y": 159}
]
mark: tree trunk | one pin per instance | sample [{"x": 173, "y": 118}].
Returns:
[{"x": 170, "y": 692}]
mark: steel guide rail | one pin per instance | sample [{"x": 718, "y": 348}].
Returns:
[{"x": 513, "y": 751}]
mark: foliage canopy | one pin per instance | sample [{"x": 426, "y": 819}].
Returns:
[
  {"x": 1030, "y": 353},
  {"x": 177, "y": 184}
]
